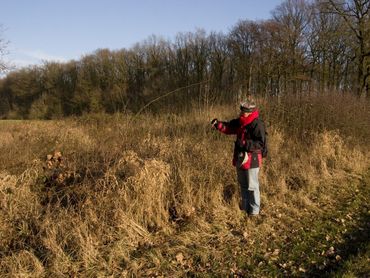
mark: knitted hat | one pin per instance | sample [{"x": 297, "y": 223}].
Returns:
[{"x": 248, "y": 106}]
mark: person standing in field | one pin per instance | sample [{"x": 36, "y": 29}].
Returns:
[{"x": 250, "y": 147}]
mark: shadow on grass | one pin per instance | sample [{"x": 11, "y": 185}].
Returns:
[
  {"x": 355, "y": 245},
  {"x": 229, "y": 192}
]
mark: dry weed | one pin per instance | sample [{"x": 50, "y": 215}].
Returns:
[
  {"x": 21, "y": 264},
  {"x": 333, "y": 153},
  {"x": 125, "y": 196}
]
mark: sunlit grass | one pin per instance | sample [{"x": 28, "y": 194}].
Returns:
[{"x": 157, "y": 195}]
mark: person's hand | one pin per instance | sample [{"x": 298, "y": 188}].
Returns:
[{"x": 214, "y": 123}]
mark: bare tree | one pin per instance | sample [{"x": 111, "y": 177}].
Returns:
[
  {"x": 293, "y": 17},
  {"x": 242, "y": 47},
  {"x": 356, "y": 15},
  {"x": 3, "y": 50},
  {"x": 218, "y": 60},
  {"x": 330, "y": 51}
]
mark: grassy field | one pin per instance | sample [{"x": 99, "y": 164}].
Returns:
[{"x": 156, "y": 196}]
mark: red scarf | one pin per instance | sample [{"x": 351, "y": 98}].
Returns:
[{"x": 246, "y": 120}]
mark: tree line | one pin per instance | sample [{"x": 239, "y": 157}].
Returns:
[{"x": 306, "y": 47}]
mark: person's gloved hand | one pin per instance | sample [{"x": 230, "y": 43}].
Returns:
[{"x": 214, "y": 123}]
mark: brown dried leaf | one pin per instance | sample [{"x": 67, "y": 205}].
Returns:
[
  {"x": 276, "y": 252},
  {"x": 330, "y": 251},
  {"x": 245, "y": 235},
  {"x": 180, "y": 258}
]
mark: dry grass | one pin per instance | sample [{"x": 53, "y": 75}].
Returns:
[{"x": 153, "y": 195}]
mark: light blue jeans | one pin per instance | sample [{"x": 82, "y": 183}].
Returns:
[{"x": 250, "y": 190}]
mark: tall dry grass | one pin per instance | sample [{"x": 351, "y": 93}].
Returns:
[{"x": 122, "y": 185}]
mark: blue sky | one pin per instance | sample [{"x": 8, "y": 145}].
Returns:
[{"x": 62, "y": 30}]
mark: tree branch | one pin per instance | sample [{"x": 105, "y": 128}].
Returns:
[{"x": 343, "y": 14}]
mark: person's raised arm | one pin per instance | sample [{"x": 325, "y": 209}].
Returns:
[{"x": 226, "y": 127}]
